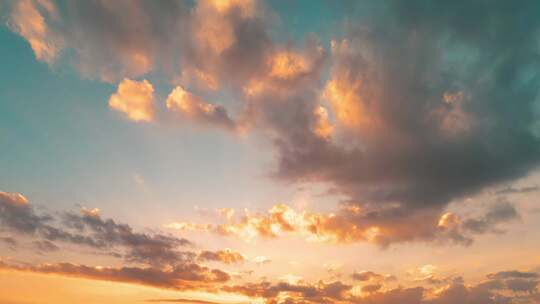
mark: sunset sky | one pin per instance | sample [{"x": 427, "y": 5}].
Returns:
[{"x": 294, "y": 152}]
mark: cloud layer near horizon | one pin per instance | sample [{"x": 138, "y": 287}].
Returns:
[
  {"x": 493, "y": 290},
  {"x": 156, "y": 260}
]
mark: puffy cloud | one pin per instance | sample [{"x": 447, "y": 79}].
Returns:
[
  {"x": 416, "y": 127},
  {"x": 196, "y": 109},
  {"x": 278, "y": 220},
  {"x": 13, "y": 199},
  {"x": 110, "y": 41},
  {"x": 135, "y": 99},
  {"x": 127, "y": 39}
]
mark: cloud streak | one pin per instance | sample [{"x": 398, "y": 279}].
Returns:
[
  {"x": 184, "y": 277},
  {"x": 351, "y": 224}
]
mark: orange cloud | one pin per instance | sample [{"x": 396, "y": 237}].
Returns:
[
  {"x": 226, "y": 256},
  {"x": 351, "y": 224},
  {"x": 224, "y": 6},
  {"x": 196, "y": 109},
  {"x": 282, "y": 219},
  {"x": 15, "y": 199},
  {"x": 287, "y": 65},
  {"x": 351, "y": 99},
  {"x": 135, "y": 99},
  {"x": 323, "y": 127},
  {"x": 285, "y": 70},
  {"x": 28, "y": 20}
]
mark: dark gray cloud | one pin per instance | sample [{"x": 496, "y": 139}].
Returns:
[
  {"x": 463, "y": 230},
  {"x": 89, "y": 229},
  {"x": 500, "y": 212},
  {"x": 156, "y": 249},
  {"x": 18, "y": 215},
  {"x": 512, "y": 190},
  {"x": 522, "y": 285},
  {"x": 513, "y": 274},
  {"x": 306, "y": 293},
  {"x": 436, "y": 101}
]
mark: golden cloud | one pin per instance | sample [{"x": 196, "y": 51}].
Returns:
[
  {"x": 196, "y": 109},
  {"x": 28, "y": 20},
  {"x": 135, "y": 99}
]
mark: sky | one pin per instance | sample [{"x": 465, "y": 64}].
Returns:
[{"x": 272, "y": 152}]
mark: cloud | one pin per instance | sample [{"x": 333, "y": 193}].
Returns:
[
  {"x": 414, "y": 126},
  {"x": 28, "y": 19},
  {"x": 180, "y": 277},
  {"x": 512, "y": 190},
  {"x": 45, "y": 246},
  {"x": 127, "y": 39},
  {"x": 513, "y": 274},
  {"x": 153, "y": 249},
  {"x": 193, "y": 108},
  {"x": 261, "y": 259},
  {"x": 18, "y": 215},
  {"x": 500, "y": 212},
  {"x": 309, "y": 293},
  {"x": 486, "y": 292},
  {"x": 226, "y": 256},
  {"x": 188, "y": 301},
  {"x": 350, "y": 224},
  {"x": 461, "y": 230},
  {"x": 371, "y": 288},
  {"x": 109, "y": 41},
  {"x": 135, "y": 99},
  {"x": 87, "y": 228},
  {"x": 364, "y": 276}
]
